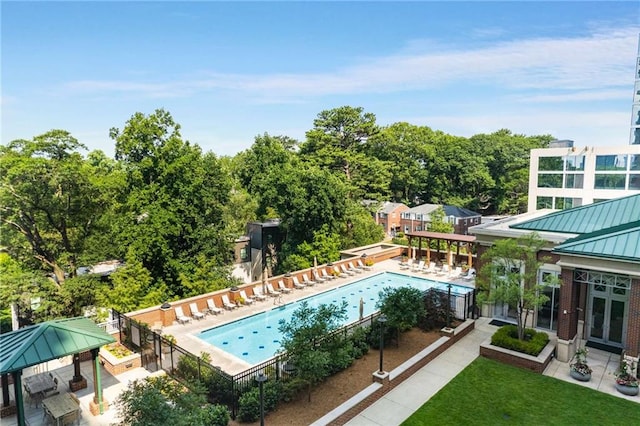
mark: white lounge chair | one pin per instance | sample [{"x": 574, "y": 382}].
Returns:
[
  {"x": 363, "y": 266},
  {"x": 354, "y": 269},
  {"x": 341, "y": 273},
  {"x": 327, "y": 276},
  {"x": 258, "y": 294},
  {"x": 457, "y": 272},
  {"x": 247, "y": 299},
  {"x": 271, "y": 291},
  {"x": 283, "y": 288},
  {"x": 471, "y": 274},
  {"x": 213, "y": 309},
  {"x": 297, "y": 283},
  {"x": 227, "y": 303},
  {"x": 195, "y": 312},
  {"x": 444, "y": 270},
  {"x": 429, "y": 269},
  {"x": 346, "y": 271},
  {"x": 407, "y": 265},
  {"x": 317, "y": 278},
  {"x": 418, "y": 267},
  {"x": 306, "y": 281},
  {"x": 181, "y": 317}
]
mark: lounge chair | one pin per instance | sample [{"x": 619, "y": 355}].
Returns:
[
  {"x": 271, "y": 292},
  {"x": 283, "y": 288},
  {"x": 471, "y": 274},
  {"x": 195, "y": 312},
  {"x": 407, "y": 265},
  {"x": 354, "y": 269},
  {"x": 362, "y": 266},
  {"x": 181, "y": 317},
  {"x": 227, "y": 303},
  {"x": 444, "y": 270},
  {"x": 418, "y": 267},
  {"x": 258, "y": 294},
  {"x": 213, "y": 309},
  {"x": 341, "y": 273},
  {"x": 326, "y": 276},
  {"x": 429, "y": 269},
  {"x": 345, "y": 270},
  {"x": 306, "y": 281},
  {"x": 297, "y": 283},
  {"x": 317, "y": 278},
  {"x": 247, "y": 299},
  {"x": 456, "y": 272}
]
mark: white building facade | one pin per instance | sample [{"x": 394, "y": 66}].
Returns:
[{"x": 562, "y": 178}]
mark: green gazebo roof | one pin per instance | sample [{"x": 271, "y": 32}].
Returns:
[{"x": 49, "y": 340}]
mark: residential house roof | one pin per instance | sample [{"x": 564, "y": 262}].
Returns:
[{"x": 459, "y": 212}]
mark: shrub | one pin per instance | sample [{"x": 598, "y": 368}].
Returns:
[
  {"x": 373, "y": 335},
  {"x": 341, "y": 357},
  {"x": 218, "y": 415},
  {"x": 359, "y": 340},
  {"x": 435, "y": 303},
  {"x": 249, "y": 406},
  {"x": 291, "y": 388},
  {"x": 507, "y": 337}
]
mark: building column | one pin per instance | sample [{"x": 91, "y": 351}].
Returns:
[
  {"x": 632, "y": 346},
  {"x": 567, "y": 316},
  {"x": 98, "y": 405},
  {"x": 17, "y": 388}
]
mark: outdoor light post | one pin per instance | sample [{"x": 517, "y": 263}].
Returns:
[
  {"x": 261, "y": 378},
  {"x": 449, "y": 305},
  {"x": 382, "y": 319}
]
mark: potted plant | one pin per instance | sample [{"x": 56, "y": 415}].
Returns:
[
  {"x": 578, "y": 368},
  {"x": 626, "y": 382}
]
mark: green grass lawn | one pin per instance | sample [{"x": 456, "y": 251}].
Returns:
[{"x": 491, "y": 393}]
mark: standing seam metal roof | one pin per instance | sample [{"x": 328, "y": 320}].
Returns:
[{"x": 49, "y": 340}]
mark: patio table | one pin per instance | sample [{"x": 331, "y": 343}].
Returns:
[
  {"x": 41, "y": 382},
  {"x": 59, "y": 406}
]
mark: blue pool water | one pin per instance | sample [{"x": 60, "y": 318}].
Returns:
[{"x": 256, "y": 338}]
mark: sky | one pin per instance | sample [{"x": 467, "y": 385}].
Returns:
[{"x": 229, "y": 71}]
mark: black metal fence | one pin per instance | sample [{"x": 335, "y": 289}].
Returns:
[{"x": 159, "y": 353}]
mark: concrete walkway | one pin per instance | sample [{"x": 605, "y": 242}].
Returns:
[{"x": 401, "y": 402}]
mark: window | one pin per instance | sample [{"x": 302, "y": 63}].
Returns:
[
  {"x": 634, "y": 181},
  {"x": 549, "y": 181},
  {"x": 611, "y": 162},
  {"x": 634, "y": 162},
  {"x": 574, "y": 162},
  {"x": 544, "y": 203},
  {"x": 244, "y": 254},
  {"x": 574, "y": 181},
  {"x": 546, "y": 164},
  {"x": 604, "y": 181}
]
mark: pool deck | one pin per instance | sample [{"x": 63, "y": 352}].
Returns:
[{"x": 185, "y": 334}]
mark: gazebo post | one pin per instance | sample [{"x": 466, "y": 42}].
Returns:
[
  {"x": 5, "y": 391},
  {"x": 428, "y": 251},
  {"x": 469, "y": 257},
  {"x": 97, "y": 406},
  {"x": 17, "y": 388}
]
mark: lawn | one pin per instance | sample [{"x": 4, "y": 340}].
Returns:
[{"x": 490, "y": 393}]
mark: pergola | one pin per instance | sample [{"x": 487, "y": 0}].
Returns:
[
  {"x": 450, "y": 239},
  {"x": 47, "y": 341}
]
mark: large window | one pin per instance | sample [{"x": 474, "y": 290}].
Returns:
[
  {"x": 550, "y": 181},
  {"x": 574, "y": 162},
  {"x": 609, "y": 181},
  {"x": 574, "y": 181},
  {"x": 544, "y": 203},
  {"x": 547, "y": 164},
  {"x": 634, "y": 181},
  {"x": 611, "y": 162},
  {"x": 634, "y": 162},
  {"x": 567, "y": 202}
]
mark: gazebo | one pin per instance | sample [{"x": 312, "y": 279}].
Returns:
[
  {"x": 450, "y": 239},
  {"x": 47, "y": 341}
]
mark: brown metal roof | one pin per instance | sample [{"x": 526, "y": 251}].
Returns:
[{"x": 442, "y": 236}]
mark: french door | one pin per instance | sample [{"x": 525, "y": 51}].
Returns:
[{"x": 607, "y": 311}]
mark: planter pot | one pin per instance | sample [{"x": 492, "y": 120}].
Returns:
[
  {"x": 579, "y": 376},
  {"x": 627, "y": 390}
]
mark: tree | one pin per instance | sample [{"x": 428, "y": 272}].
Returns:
[
  {"x": 308, "y": 339},
  {"x": 163, "y": 401},
  {"x": 510, "y": 275},
  {"x": 403, "y": 307},
  {"x": 173, "y": 205},
  {"x": 49, "y": 200}
]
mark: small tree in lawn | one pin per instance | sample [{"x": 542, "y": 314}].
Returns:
[
  {"x": 510, "y": 275},
  {"x": 307, "y": 339}
]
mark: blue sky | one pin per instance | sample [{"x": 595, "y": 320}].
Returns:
[{"x": 228, "y": 71}]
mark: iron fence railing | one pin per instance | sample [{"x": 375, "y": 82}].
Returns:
[{"x": 159, "y": 353}]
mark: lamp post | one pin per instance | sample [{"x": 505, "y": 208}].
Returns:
[
  {"x": 449, "y": 305},
  {"x": 382, "y": 319},
  {"x": 261, "y": 378}
]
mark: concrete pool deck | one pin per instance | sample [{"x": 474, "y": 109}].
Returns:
[{"x": 186, "y": 334}]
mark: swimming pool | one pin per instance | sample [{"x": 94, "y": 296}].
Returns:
[{"x": 256, "y": 338}]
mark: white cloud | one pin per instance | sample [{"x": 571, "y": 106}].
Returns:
[{"x": 599, "y": 61}]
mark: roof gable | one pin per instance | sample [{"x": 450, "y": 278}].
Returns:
[
  {"x": 621, "y": 243},
  {"x": 589, "y": 218},
  {"x": 49, "y": 340}
]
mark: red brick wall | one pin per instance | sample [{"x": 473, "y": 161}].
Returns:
[
  {"x": 633, "y": 325},
  {"x": 506, "y": 358},
  {"x": 569, "y": 302}
]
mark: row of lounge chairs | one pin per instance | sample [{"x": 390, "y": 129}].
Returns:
[
  {"x": 341, "y": 271},
  {"x": 443, "y": 270}
]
